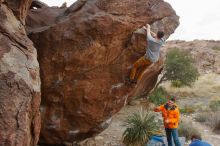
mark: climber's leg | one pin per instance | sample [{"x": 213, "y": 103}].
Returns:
[
  {"x": 140, "y": 62},
  {"x": 147, "y": 63}
]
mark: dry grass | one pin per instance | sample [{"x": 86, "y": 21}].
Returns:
[
  {"x": 212, "y": 119},
  {"x": 207, "y": 85},
  {"x": 217, "y": 127},
  {"x": 217, "y": 48},
  {"x": 187, "y": 130},
  {"x": 202, "y": 117}
]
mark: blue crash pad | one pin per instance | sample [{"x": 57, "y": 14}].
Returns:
[{"x": 162, "y": 141}]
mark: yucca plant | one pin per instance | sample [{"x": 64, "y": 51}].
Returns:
[{"x": 140, "y": 127}]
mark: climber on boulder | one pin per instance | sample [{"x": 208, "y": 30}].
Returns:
[
  {"x": 154, "y": 43},
  {"x": 171, "y": 117}
]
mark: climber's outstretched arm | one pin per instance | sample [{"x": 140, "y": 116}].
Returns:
[
  {"x": 148, "y": 30},
  {"x": 149, "y": 36},
  {"x": 153, "y": 34}
]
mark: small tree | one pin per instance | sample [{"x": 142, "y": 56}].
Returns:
[
  {"x": 158, "y": 96},
  {"x": 140, "y": 127},
  {"x": 179, "y": 68}
]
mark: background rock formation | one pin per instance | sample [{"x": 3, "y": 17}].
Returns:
[
  {"x": 19, "y": 78},
  {"x": 85, "y": 54},
  {"x": 206, "y": 53}
]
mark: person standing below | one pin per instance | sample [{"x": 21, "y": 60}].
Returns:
[
  {"x": 196, "y": 140},
  {"x": 171, "y": 117},
  {"x": 154, "y": 43}
]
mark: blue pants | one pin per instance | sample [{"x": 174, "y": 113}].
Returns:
[{"x": 172, "y": 133}]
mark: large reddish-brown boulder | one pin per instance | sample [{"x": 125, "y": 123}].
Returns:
[
  {"x": 85, "y": 56},
  {"x": 19, "y": 78}
]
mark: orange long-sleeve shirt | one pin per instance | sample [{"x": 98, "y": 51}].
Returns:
[{"x": 172, "y": 115}]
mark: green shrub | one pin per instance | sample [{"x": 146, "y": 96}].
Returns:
[
  {"x": 217, "y": 48},
  {"x": 214, "y": 105},
  {"x": 176, "y": 83},
  {"x": 158, "y": 96},
  {"x": 187, "y": 130},
  {"x": 180, "y": 68},
  {"x": 187, "y": 109},
  {"x": 140, "y": 127}
]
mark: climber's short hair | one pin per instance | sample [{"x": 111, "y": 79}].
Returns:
[{"x": 160, "y": 34}]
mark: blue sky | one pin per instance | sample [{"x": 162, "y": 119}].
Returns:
[{"x": 199, "y": 19}]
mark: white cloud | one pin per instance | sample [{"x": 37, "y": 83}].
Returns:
[{"x": 199, "y": 19}]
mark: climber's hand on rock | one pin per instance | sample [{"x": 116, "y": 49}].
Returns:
[
  {"x": 148, "y": 26},
  {"x": 145, "y": 28}
]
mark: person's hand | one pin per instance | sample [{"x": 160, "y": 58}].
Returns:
[
  {"x": 148, "y": 26},
  {"x": 167, "y": 121},
  {"x": 156, "y": 109},
  {"x": 144, "y": 27}
]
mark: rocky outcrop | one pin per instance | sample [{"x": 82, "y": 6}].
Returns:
[
  {"x": 206, "y": 53},
  {"x": 85, "y": 55},
  {"x": 19, "y": 78},
  {"x": 19, "y": 8}
]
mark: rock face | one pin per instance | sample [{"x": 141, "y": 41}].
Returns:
[
  {"x": 206, "y": 53},
  {"x": 19, "y": 78},
  {"x": 85, "y": 54}
]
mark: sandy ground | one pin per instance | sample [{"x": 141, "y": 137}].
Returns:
[{"x": 207, "y": 85}]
